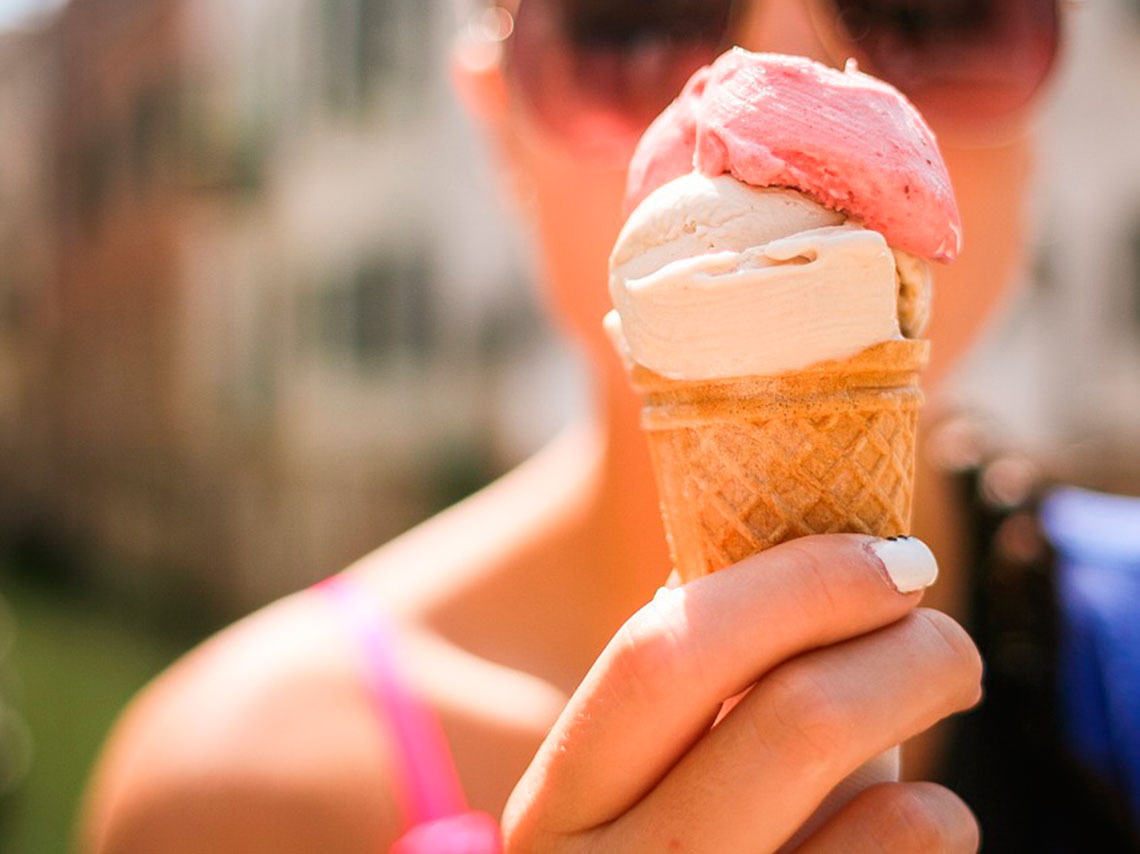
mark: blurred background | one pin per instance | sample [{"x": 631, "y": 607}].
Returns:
[{"x": 261, "y": 310}]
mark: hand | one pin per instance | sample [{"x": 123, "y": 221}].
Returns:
[{"x": 838, "y": 666}]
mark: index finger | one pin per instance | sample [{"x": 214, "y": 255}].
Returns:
[{"x": 655, "y": 689}]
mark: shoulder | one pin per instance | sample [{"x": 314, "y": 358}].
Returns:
[
  {"x": 260, "y": 739},
  {"x": 263, "y": 739}
]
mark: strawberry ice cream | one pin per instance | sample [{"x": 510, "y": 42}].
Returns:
[{"x": 845, "y": 139}]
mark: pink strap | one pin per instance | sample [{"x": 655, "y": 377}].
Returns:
[
  {"x": 427, "y": 784},
  {"x": 470, "y": 833}
]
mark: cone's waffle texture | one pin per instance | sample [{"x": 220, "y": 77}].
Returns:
[{"x": 746, "y": 463}]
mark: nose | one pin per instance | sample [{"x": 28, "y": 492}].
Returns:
[{"x": 781, "y": 26}]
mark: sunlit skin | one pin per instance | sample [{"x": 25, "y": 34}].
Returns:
[{"x": 262, "y": 739}]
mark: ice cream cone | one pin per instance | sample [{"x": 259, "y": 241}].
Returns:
[
  {"x": 724, "y": 285},
  {"x": 745, "y": 463}
]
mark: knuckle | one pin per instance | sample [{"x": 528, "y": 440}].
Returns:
[
  {"x": 908, "y": 819},
  {"x": 649, "y": 654},
  {"x": 814, "y": 582},
  {"x": 813, "y": 724},
  {"x": 964, "y": 658}
]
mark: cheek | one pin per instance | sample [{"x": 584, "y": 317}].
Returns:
[
  {"x": 576, "y": 209},
  {"x": 990, "y": 184},
  {"x": 782, "y": 26}
]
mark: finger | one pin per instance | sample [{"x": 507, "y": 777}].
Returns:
[
  {"x": 656, "y": 687},
  {"x": 923, "y": 818},
  {"x": 764, "y": 769}
]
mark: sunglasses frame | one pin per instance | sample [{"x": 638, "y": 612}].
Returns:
[{"x": 497, "y": 21}]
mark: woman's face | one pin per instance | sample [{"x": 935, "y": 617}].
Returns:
[{"x": 574, "y": 200}]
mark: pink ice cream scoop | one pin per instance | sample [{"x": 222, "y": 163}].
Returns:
[{"x": 851, "y": 142}]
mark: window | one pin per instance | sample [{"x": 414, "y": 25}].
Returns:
[
  {"x": 145, "y": 135},
  {"x": 219, "y": 149},
  {"x": 1044, "y": 267},
  {"x": 380, "y": 312},
  {"x": 1134, "y": 277},
  {"x": 93, "y": 179},
  {"x": 371, "y": 46}
]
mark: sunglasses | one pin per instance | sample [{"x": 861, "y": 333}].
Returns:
[{"x": 595, "y": 73}]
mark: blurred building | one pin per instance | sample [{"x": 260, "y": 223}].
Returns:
[
  {"x": 259, "y": 312},
  {"x": 27, "y": 263},
  {"x": 275, "y": 323}
]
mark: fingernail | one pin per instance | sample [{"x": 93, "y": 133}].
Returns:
[{"x": 909, "y": 562}]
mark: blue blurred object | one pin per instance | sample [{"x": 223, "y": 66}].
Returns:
[{"x": 1097, "y": 538}]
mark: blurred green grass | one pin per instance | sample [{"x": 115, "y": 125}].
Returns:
[{"x": 74, "y": 664}]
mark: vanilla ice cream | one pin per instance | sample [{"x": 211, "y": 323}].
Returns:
[{"x": 713, "y": 278}]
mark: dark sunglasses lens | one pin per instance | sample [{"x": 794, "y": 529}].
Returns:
[
  {"x": 598, "y": 71},
  {"x": 974, "y": 60}
]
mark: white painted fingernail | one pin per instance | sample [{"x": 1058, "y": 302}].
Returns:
[{"x": 909, "y": 562}]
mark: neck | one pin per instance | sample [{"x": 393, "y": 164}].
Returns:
[{"x": 628, "y": 540}]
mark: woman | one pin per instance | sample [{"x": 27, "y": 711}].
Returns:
[{"x": 266, "y": 738}]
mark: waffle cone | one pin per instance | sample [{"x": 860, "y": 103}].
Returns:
[{"x": 746, "y": 463}]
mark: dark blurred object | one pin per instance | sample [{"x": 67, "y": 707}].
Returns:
[
  {"x": 1015, "y": 759},
  {"x": 1097, "y": 539}
]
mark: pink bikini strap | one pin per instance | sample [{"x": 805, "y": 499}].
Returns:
[{"x": 427, "y": 783}]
